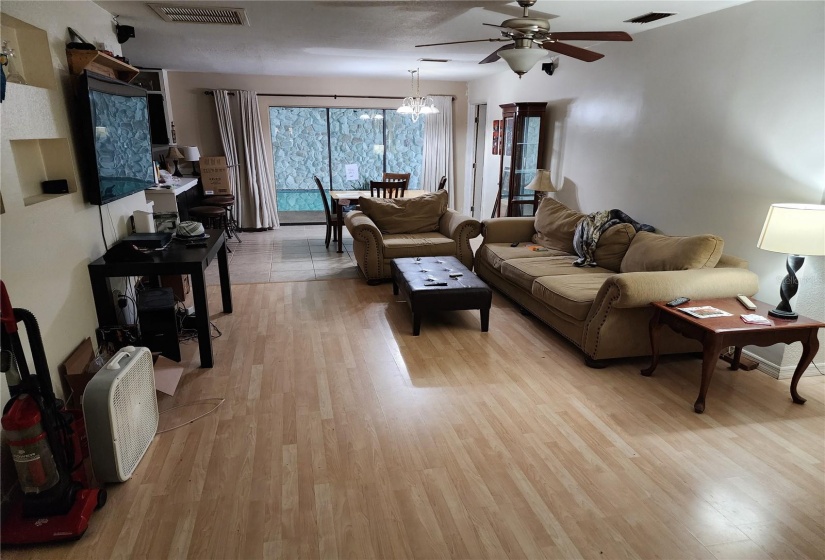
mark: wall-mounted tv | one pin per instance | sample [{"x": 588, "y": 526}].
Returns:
[{"x": 114, "y": 117}]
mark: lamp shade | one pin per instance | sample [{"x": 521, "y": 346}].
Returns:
[
  {"x": 797, "y": 229},
  {"x": 521, "y": 61},
  {"x": 191, "y": 153},
  {"x": 174, "y": 154},
  {"x": 541, "y": 182}
]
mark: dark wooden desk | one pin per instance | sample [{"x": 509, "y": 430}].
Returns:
[
  {"x": 719, "y": 332},
  {"x": 176, "y": 259}
]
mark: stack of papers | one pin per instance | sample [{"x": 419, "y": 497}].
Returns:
[{"x": 705, "y": 312}]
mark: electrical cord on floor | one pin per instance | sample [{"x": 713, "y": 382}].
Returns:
[{"x": 207, "y": 413}]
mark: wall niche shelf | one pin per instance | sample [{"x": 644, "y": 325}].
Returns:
[
  {"x": 32, "y": 58},
  {"x": 100, "y": 63},
  {"x": 39, "y": 160}
]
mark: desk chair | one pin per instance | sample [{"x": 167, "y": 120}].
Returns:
[{"x": 388, "y": 189}]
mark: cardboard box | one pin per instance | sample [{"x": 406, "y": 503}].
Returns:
[
  {"x": 74, "y": 371},
  {"x": 215, "y": 175}
]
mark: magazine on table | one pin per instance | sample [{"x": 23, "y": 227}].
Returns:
[{"x": 705, "y": 312}]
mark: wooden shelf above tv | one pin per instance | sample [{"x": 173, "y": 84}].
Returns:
[{"x": 100, "y": 63}]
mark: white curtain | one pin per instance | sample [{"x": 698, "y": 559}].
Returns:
[
  {"x": 438, "y": 147},
  {"x": 254, "y": 190},
  {"x": 227, "y": 131},
  {"x": 260, "y": 209}
]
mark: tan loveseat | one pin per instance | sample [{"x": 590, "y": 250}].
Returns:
[
  {"x": 604, "y": 310},
  {"x": 386, "y": 229}
]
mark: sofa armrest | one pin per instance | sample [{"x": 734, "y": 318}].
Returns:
[
  {"x": 361, "y": 227},
  {"x": 508, "y": 230},
  {"x": 461, "y": 229},
  {"x": 638, "y": 289}
]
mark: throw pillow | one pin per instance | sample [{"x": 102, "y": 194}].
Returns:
[
  {"x": 612, "y": 246},
  {"x": 406, "y": 215},
  {"x": 555, "y": 224},
  {"x": 652, "y": 252}
]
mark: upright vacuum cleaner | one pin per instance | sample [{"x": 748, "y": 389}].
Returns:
[{"x": 47, "y": 443}]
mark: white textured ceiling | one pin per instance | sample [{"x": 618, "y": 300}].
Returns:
[{"x": 367, "y": 38}]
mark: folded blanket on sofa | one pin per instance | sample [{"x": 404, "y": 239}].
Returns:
[{"x": 590, "y": 228}]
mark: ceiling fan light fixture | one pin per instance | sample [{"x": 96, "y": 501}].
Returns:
[
  {"x": 416, "y": 105},
  {"x": 521, "y": 61}
]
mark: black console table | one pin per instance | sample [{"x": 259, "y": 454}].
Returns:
[{"x": 176, "y": 259}]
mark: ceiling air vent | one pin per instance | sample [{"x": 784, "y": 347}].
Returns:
[
  {"x": 650, "y": 17},
  {"x": 196, "y": 14}
]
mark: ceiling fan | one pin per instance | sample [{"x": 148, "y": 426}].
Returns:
[{"x": 526, "y": 31}]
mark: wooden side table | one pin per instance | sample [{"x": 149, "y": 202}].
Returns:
[{"x": 719, "y": 332}]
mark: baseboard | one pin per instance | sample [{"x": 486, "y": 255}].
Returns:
[{"x": 783, "y": 372}]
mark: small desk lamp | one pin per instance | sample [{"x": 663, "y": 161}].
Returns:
[
  {"x": 541, "y": 183},
  {"x": 795, "y": 229},
  {"x": 175, "y": 155},
  {"x": 191, "y": 153}
]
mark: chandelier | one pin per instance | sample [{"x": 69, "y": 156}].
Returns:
[{"x": 416, "y": 105}]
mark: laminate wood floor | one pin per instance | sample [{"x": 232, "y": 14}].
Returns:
[{"x": 343, "y": 436}]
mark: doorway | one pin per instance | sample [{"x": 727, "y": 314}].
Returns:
[{"x": 478, "y": 159}]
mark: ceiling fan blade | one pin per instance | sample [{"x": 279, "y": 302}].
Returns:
[
  {"x": 494, "y": 55},
  {"x": 591, "y": 36},
  {"x": 471, "y": 41},
  {"x": 570, "y": 50}
]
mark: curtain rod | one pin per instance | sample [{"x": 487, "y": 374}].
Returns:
[{"x": 334, "y": 96}]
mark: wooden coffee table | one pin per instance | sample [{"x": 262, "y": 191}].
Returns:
[
  {"x": 719, "y": 332},
  {"x": 468, "y": 291}
]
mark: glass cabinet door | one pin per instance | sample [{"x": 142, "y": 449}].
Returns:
[
  {"x": 521, "y": 156},
  {"x": 506, "y": 164},
  {"x": 528, "y": 152}
]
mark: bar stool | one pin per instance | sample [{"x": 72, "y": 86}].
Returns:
[
  {"x": 211, "y": 217},
  {"x": 227, "y": 202}
]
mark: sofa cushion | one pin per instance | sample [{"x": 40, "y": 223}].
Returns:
[
  {"x": 523, "y": 272},
  {"x": 496, "y": 253},
  {"x": 406, "y": 215},
  {"x": 555, "y": 224},
  {"x": 613, "y": 245},
  {"x": 571, "y": 294},
  {"x": 654, "y": 252},
  {"x": 428, "y": 244}
]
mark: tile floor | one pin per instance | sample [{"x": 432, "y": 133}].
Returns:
[{"x": 286, "y": 254}]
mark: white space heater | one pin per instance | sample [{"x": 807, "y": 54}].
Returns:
[{"x": 121, "y": 412}]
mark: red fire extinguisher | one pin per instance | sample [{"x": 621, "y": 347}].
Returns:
[{"x": 30, "y": 449}]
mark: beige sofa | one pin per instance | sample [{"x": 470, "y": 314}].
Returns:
[
  {"x": 604, "y": 310},
  {"x": 386, "y": 229}
]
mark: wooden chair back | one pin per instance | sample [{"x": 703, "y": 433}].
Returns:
[
  {"x": 442, "y": 184},
  {"x": 388, "y": 189},
  {"x": 324, "y": 199},
  {"x": 397, "y": 177}
]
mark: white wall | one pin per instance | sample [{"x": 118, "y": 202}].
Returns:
[
  {"x": 695, "y": 127},
  {"x": 196, "y": 123},
  {"x": 45, "y": 247}
]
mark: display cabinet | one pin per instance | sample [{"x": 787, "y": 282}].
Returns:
[{"x": 522, "y": 154}]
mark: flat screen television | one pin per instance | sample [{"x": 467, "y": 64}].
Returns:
[{"x": 114, "y": 117}]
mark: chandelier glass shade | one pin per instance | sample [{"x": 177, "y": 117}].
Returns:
[{"x": 416, "y": 105}]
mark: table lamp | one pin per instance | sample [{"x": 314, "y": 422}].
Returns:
[
  {"x": 191, "y": 153},
  {"x": 174, "y": 155},
  {"x": 795, "y": 229},
  {"x": 541, "y": 183}
]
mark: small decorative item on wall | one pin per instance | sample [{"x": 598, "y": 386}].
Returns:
[{"x": 496, "y": 137}]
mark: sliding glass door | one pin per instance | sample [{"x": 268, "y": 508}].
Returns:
[{"x": 345, "y": 148}]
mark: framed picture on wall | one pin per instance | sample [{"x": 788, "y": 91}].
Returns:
[{"x": 496, "y": 137}]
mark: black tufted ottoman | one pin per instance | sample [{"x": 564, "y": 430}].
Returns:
[{"x": 411, "y": 276}]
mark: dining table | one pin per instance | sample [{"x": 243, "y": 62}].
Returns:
[{"x": 347, "y": 198}]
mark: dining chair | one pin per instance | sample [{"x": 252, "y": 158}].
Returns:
[
  {"x": 332, "y": 219},
  {"x": 388, "y": 189},
  {"x": 397, "y": 177},
  {"x": 442, "y": 184}
]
